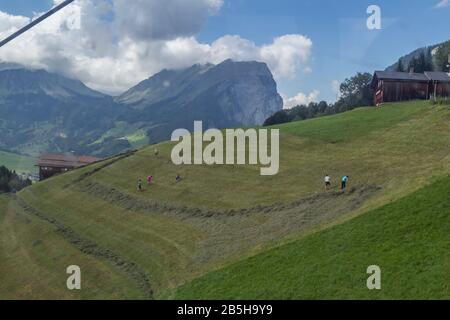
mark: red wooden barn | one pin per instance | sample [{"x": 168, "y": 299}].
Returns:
[
  {"x": 391, "y": 86},
  {"x": 399, "y": 86}
]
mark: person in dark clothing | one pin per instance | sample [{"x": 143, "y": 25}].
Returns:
[{"x": 344, "y": 181}]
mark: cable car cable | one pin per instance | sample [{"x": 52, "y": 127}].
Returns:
[{"x": 35, "y": 22}]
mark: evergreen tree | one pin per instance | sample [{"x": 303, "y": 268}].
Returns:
[
  {"x": 441, "y": 57},
  {"x": 429, "y": 60},
  {"x": 419, "y": 63},
  {"x": 400, "y": 66},
  {"x": 422, "y": 63},
  {"x": 413, "y": 65},
  {"x": 10, "y": 181}
]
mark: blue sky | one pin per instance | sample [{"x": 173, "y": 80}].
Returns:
[{"x": 342, "y": 44}]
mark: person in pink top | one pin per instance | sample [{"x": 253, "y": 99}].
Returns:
[{"x": 149, "y": 179}]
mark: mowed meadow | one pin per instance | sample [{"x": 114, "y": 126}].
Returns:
[
  {"x": 407, "y": 239},
  {"x": 153, "y": 244}
]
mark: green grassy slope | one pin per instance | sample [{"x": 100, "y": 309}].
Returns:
[
  {"x": 174, "y": 232},
  {"x": 382, "y": 147},
  {"x": 34, "y": 258},
  {"x": 408, "y": 239},
  {"x": 17, "y": 162}
]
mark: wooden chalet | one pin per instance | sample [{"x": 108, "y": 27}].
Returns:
[
  {"x": 391, "y": 86},
  {"x": 50, "y": 163},
  {"x": 439, "y": 84}
]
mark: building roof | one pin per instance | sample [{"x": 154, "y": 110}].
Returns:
[
  {"x": 57, "y": 160},
  {"x": 402, "y": 76},
  {"x": 438, "y": 76}
]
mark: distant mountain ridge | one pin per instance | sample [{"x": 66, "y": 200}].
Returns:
[
  {"x": 163, "y": 85},
  {"x": 42, "y": 111},
  {"x": 226, "y": 95},
  {"x": 41, "y": 82},
  {"x": 408, "y": 58}
]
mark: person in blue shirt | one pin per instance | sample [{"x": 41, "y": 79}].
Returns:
[{"x": 344, "y": 182}]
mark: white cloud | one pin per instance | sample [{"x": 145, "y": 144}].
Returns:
[
  {"x": 442, "y": 4},
  {"x": 9, "y": 22},
  {"x": 336, "y": 87},
  {"x": 112, "y": 45},
  {"x": 301, "y": 99},
  {"x": 287, "y": 54},
  {"x": 156, "y": 19}
]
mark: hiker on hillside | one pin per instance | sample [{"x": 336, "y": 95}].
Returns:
[
  {"x": 344, "y": 181},
  {"x": 149, "y": 180},
  {"x": 327, "y": 180},
  {"x": 139, "y": 185},
  {"x": 178, "y": 178},
  {"x": 156, "y": 152}
]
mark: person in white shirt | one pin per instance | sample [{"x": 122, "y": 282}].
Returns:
[{"x": 327, "y": 180}]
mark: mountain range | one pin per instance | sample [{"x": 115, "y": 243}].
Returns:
[
  {"x": 42, "y": 111},
  {"x": 437, "y": 59},
  {"x": 230, "y": 94}
]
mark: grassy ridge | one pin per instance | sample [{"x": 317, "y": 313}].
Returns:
[
  {"x": 409, "y": 239},
  {"x": 174, "y": 232},
  {"x": 359, "y": 123}
]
